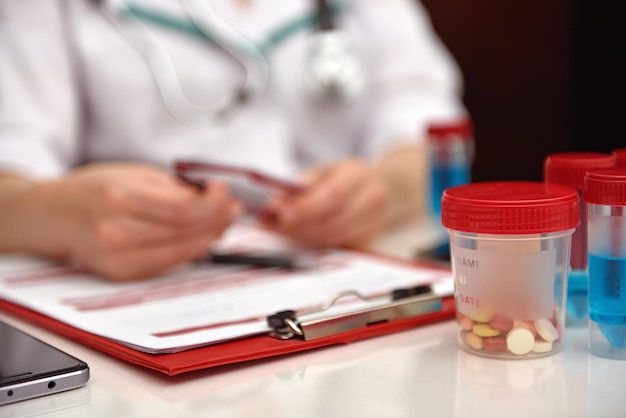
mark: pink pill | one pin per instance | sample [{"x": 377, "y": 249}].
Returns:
[
  {"x": 495, "y": 344},
  {"x": 501, "y": 322}
]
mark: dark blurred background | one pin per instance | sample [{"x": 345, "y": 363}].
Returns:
[{"x": 541, "y": 76}]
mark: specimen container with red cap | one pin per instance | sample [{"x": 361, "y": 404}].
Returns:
[
  {"x": 510, "y": 249},
  {"x": 569, "y": 168},
  {"x": 451, "y": 152},
  {"x": 605, "y": 194}
]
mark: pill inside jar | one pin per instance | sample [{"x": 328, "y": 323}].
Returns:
[{"x": 510, "y": 251}]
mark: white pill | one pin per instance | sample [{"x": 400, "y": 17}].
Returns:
[
  {"x": 546, "y": 330},
  {"x": 520, "y": 341},
  {"x": 542, "y": 346}
]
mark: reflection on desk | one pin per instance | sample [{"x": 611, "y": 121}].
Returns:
[
  {"x": 416, "y": 373},
  {"x": 70, "y": 403}
]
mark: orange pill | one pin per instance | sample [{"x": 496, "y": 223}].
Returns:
[
  {"x": 501, "y": 322},
  {"x": 474, "y": 341},
  {"x": 495, "y": 344}
]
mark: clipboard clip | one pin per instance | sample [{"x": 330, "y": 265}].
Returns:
[{"x": 405, "y": 303}]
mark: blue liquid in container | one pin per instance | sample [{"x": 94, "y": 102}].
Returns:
[
  {"x": 607, "y": 297},
  {"x": 577, "y": 296},
  {"x": 442, "y": 177}
]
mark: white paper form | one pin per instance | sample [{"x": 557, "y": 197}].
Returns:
[{"x": 201, "y": 304}]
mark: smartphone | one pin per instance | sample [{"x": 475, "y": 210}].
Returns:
[
  {"x": 253, "y": 188},
  {"x": 30, "y": 368}
]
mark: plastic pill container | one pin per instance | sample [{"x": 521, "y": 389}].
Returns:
[
  {"x": 510, "y": 252},
  {"x": 605, "y": 194}
]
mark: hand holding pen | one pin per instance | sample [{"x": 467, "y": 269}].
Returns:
[
  {"x": 255, "y": 190},
  {"x": 342, "y": 204}
]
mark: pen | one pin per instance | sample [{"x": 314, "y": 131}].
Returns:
[{"x": 281, "y": 261}]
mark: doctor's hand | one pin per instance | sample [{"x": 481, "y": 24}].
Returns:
[
  {"x": 128, "y": 221},
  {"x": 344, "y": 204}
]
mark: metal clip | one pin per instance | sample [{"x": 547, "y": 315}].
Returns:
[{"x": 286, "y": 325}]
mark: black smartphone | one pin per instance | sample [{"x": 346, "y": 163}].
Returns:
[{"x": 30, "y": 368}]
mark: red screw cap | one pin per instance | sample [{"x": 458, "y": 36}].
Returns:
[{"x": 510, "y": 207}]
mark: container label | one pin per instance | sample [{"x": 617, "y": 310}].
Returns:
[{"x": 519, "y": 285}]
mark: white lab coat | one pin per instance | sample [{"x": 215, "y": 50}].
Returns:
[{"x": 74, "y": 90}]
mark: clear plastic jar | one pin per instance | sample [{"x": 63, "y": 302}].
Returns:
[
  {"x": 605, "y": 194},
  {"x": 569, "y": 168},
  {"x": 510, "y": 248}
]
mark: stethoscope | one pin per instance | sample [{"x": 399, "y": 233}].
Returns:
[{"x": 334, "y": 71}]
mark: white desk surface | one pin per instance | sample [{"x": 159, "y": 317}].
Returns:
[{"x": 417, "y": 373}]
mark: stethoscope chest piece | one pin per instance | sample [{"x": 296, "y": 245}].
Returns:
[{"x": 334, "y": 70}]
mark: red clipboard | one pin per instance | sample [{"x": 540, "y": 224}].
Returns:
[
  {"x": 226, "y": 353},
  {"x": 230, "y": 352}
]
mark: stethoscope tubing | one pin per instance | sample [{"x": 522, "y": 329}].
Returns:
[{"x": 133, "y": 22}]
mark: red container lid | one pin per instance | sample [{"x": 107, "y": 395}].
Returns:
[
  {"x": 457, "y": 129},
  {"x": 606, "y": 186},
  {"x": 510, "y": 207},
  {"x": 570, "y": 167},
  {"x": 620, "y": 157}
]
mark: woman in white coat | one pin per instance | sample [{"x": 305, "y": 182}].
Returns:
[{"x": 98, "y": 98}]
